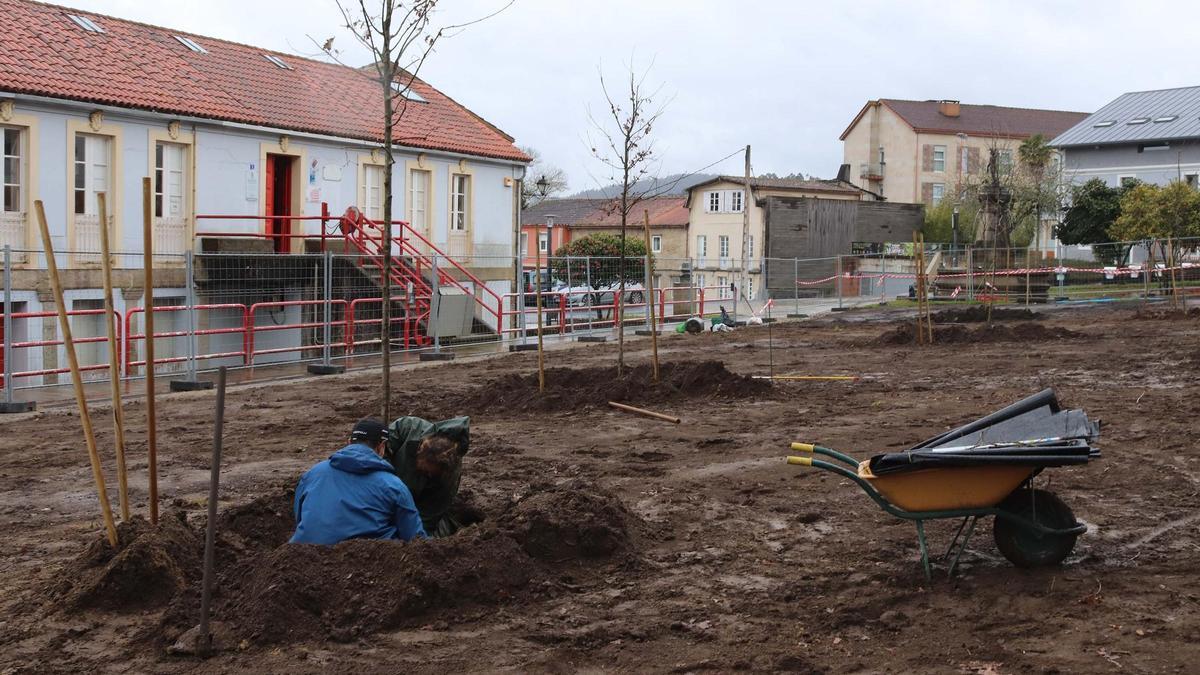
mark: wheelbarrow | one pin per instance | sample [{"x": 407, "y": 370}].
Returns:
[{"x": 981, "y": 469}]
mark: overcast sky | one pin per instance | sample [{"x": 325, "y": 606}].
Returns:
[{"x": 785, "y": 76}]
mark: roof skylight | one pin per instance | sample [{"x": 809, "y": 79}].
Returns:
[
  {"x": 1138, "y": 120},
  {"x": 190, "y": 44},
  {"x": 1104, "y": 123},
  {"x": 277, "y": 61},
  {"x": 1165, "y": 118},
  {"x": 85, "y": 23},
  {"x": 408, "y": 93}
]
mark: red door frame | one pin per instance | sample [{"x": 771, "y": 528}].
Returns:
[{"x": 279, "y": 200}]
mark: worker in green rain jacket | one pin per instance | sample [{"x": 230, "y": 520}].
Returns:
[{"x": 427, "y": 456}]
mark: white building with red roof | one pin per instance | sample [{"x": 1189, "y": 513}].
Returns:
[{"x": 91, "y": 104}]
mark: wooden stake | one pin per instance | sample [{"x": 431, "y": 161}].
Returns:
[
  {"x": 807, "y": 377},
  {"x": 645, "y": 413},
  {"x": 148, "y": 304},
  {"x": 114, "y": 361},
  {"x": 650, "y": 294},
  {"x": 69, "y": 346}
]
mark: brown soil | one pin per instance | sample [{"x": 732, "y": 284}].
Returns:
[
  {"x": 979, "y": 314},
  {"x": 1167, "y": 313},
  {"x": 731, "y": 559},
  {"x": 905, "y": 334},
  {"x": 579, "y": 388}
]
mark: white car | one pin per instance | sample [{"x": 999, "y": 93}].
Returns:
[{"x": 634, "y": 294}]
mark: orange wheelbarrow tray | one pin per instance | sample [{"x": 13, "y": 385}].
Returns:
[{"x": 1033, "y": 528}]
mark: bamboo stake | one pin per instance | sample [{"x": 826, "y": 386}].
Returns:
[
  {"x": 645, "y": 413},
  {"x": 76, "y": 379},
  {"x": 148, "y": 304},
  {"x": 650, "y": 294},
  {"x": 114, "y": 361}
]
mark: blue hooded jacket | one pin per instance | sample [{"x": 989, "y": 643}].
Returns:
[{"x": 354, "y": 495}]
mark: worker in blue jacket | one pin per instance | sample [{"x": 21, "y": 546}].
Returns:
[{"x": 355, "y": 495}]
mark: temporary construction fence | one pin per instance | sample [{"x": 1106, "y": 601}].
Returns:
[{"x": 251, "y": 310}]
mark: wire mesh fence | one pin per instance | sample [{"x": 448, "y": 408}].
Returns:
[{"x": 254, "y": 310}]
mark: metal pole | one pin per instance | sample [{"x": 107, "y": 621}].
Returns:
[
  {"x": 796, "y": 283},
  {"x": 646, "y": 288},
  {"x": 204, "y": 640},
  {"x": 435, "y": 307},
  {"x": 588, "y": 280},
  {"x": 8, "y": 328},
  {"x": 328, "y": 304},
  {"x": 567, "y": 295},
  {"x": 970, "y": 275},
  {"x": 191, "y": 300},
  {"x": 839, "y": 281}
]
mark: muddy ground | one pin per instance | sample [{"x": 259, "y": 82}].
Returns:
[{"x": 616, "y": 543}]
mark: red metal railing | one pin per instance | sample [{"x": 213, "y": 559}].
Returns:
[
  {"x": 131, "y": 337},
  {"x": 29, "y": 344}
]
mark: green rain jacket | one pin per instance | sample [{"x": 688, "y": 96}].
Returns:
[{"x": 433, "y": 497}]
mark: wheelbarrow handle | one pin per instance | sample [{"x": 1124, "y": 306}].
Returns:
[{"x": 828, "y": 452}]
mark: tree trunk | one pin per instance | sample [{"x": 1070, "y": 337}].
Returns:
[{"x": 385, "y": 330}]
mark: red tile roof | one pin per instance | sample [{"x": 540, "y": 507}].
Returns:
[
  {"x": 665, "y": 211},
  {"x": 978, "y": 120},
  {"x": 133, "y": 65}
]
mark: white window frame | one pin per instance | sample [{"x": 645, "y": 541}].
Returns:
[
  {"x": 750, "y": 247},
  {"x": 701, "y": 246},
  {"x": 723, "y": 286},
  {"x": 937, "y": 193},
  {"x": 524, "y": 243},
  {"x": 8, "y": 182},
  {"x": 418, "y": 199},
  {"x": 699, "y": 280},
  {"x": 169, "y": 179},
  {"x": 460, "y": 202},
  {"x": 712, "y": 201},
  {"x": 656, "y": 243},
  {"x": 543, "y": 242},
  {"x": 723, "y": 246},
  {"x": 1005, "y": 160},
  {"x": 749, "y": 288},
  {"x": 735, "y": 201},
  {"x": 93, "y": 171},
  {"x": 372, "y": 203},
  {"x": 939, "y": 162},
  {"x": 964, "y": 160}
]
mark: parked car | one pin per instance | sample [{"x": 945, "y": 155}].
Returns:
[
  {"x": 548, "y": 285},
  {"x": 634, "y": 294}
]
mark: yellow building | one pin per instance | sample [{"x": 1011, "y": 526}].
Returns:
[
  {"x": 715, "y": 221},
  {"x": 920, "y": 151}
]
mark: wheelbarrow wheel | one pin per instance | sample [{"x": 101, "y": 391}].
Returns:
[{"x": 1026, "y": 547}]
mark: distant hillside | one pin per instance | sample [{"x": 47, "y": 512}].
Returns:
[{"x": 673, "y": 184}]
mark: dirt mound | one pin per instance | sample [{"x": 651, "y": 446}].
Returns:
[
  {"x": 299, "y": 592},
  {"x": 261, "y": 524},
  {"x": 569, "y": 522},
  {"x": 979, "y": 314},
  {"x": 1166, "y": 313},
  {"x": 905, "y": 334},
  {"x": 576, "y": 388},
  {"x": 149, "y": 566}
]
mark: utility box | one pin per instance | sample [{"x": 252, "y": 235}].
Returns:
[{"x": 453, "y": 313}]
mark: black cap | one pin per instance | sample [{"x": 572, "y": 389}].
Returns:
[{"x": 368, "y": 430}]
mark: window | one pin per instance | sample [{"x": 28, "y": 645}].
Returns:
[
  {"x": 460, "y": 192},
  {"x": 1104, "y": 123},
  {"x": 373, "y": 192},
  {"x": 701, "y": 246},
  {"x": 723, "y": 286},
  {"x": 1004, "y": 161},
  {"x": 85, "y": 23},
  {"x": 939, "y": 158},
  {"x": 91, "y": 171},
  {"x": 277, "y": 61},
  {"x": 407, "y": 92},
  {"x": 714, "y": 202},
  {"x": 656, "y": 244},
  {"x": 881, "y": 159},
  {"x": 543, "y": 242},
  {"x": 1154, "y": 147},
  {"x": 750, "y": 246},
  {"x": 191, "y": 44},
  {"x": 700, "y": 280},
  {"x": 168, "y": 180},
  {"x": 418, "y": 203},
  {"x": 749, "y": 288},
  {"x": 13, "y": 178},
  {"x": 964, "y": 160},
  {"x": 939, "y": 191},
  {"x": 1138, "y": 120},
  {"x": 524, "y": 243},
  {"x": 735, "y": 201},
  {"x": 1165, "y": 118},
  {"x": 723, "y": 246}
]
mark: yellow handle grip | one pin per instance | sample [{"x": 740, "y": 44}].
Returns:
[
  {"x": 803, "y": 447},
  {"x": 802, "y": 461}
]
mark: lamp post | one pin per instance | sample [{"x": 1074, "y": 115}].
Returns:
[{"x": 954, "y": 234}]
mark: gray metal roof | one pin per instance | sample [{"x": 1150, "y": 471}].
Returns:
[{"x": 1183, "y": 104}]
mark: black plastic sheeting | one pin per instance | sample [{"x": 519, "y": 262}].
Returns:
[{"x": 1034, "y": 432}]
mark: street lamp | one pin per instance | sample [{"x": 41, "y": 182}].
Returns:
[
  {"x": 543, "y": 185},
  {"x": 954, "y": 234}
]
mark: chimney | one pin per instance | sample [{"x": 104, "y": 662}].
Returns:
[
  {"x": 949, "y": 108},
  {"x": 844, "y": 173}
]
